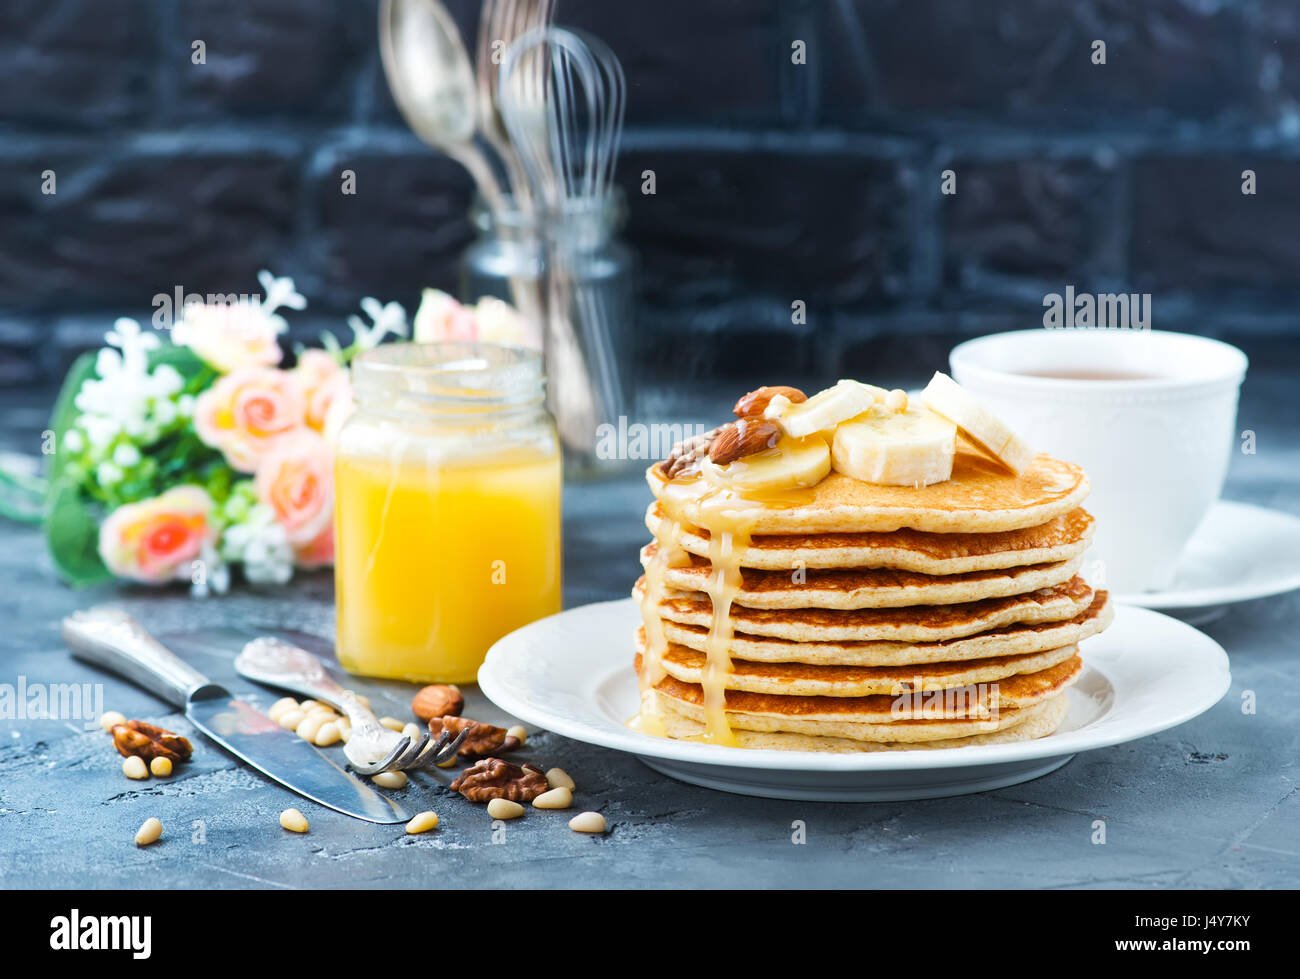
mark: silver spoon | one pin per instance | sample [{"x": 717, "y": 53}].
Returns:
[{"x": 432, "y": 81}]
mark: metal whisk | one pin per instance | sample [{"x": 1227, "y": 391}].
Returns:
[{"x": 562, "y": 96}]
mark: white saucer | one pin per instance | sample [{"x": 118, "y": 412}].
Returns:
[
  {"x": 572, "y": 674},
  {"x": 1238, "y": 553}
]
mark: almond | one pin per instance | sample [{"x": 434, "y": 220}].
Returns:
[
  {"x": 439, "y": 700},
  {"x": 755, "y": 403},
  {"x": 743, "y": 438}
]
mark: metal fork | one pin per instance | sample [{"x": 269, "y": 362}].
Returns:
[{"x": 372, "y": 748}]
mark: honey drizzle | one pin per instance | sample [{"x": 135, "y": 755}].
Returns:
[
  {"x": 724, "y": 584},
  {"x": 729, "y": 519},
  {"x": 668, "y": 553}
]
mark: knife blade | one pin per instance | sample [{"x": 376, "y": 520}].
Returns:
[{"x": 109, "y": 638}]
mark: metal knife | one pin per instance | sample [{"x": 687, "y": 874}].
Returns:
[{"x": 109, "y": 638}]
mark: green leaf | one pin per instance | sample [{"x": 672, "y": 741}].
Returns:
[
  {"x": 72, "y": 532},
  {"x": 187, "y": 363}
]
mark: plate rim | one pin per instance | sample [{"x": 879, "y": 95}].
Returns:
[
  {"x": 640, "y": 745},
  {"x": 1228, "y": 594}
]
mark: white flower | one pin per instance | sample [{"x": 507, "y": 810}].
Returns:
[
  {"x": 262, "y": 545},
  {"x": 108, "y": 474},
  {"x": 126, "y": 455},
  {"x": 126, "y": 398},
  {"x": 279, "y": 292},
  {"x": 385, "y": 319}
]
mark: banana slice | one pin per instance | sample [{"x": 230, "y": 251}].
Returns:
[
  {"x": 913, "y": 447},
  {"x": 792, "y": 463},
  {"x": 978, "y": 425},
  {"x": 825, "y": 409}
]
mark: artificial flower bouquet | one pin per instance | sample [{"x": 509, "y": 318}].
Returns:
[{"x": 178, "y": 453}]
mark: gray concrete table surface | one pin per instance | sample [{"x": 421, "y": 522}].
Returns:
[{"x": 1212, "y": 803}]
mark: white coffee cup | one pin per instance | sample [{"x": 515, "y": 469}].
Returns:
[{"x": 1150, "y": 416}]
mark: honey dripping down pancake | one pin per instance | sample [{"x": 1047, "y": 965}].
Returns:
[{"x": 822, "y": 565}]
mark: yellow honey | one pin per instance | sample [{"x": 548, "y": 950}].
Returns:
[{"x": 447, "y": 512}]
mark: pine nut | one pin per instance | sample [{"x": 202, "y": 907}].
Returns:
[
  {"x": 896, "y": 400},
  {"x": 390, "y": 780},
  {"x": 449, "y": 762},
  {"x": 519, "y": 732},
  {"x": 280, "y": 706},
  {"x": 365, "y": 701},
  {"x": 307, "y": 705},
  {"x": 345, "y": 732},
  {"x": 110, "y": 719},
  {"x": 324, "y": 713},
  {"x": 134, "y": 767},
  {"x": 422, "y": 823},
  {"x": 587, "y": 822},
  {"x": 560, "y": 798},
  {"x": 558, "y": 778},
  {"x": 504, "y": 809},
  {"x": 291, "y": 718},
  {"x": 392, "y": 723},
  {"x": 309, "y": 728},
  {"x": 294, "y": 821},
  {"x": 148, "y": 832},
  {"x": 413, "y": 732},
  {"x": 160, "y": 766},
  {"x": 328, "y": 735}
]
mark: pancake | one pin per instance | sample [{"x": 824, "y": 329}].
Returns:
[
  {"x": 980, "y": 497},
  {"x": 1033, "y": 722},
  {"x": 802, "y": 679},
  {"x": 868, "y": 718},
  {"x": 923, "y": 623},
  {"x": 970, "y": 702},
  {"x": 1060, "y": 539},
  {"x": 860, "y": 589},
  {"x": 1014, "y": 640}
]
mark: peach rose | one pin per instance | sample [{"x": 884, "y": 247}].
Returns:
[
  {"x": 440, "y": 317},
  {"x": 247, "y": 411},
  {"x": 322, "y": 380},
  {"x": 157, "y": 540},
  {"x": 499, "y": 322},
  {"x": 230, "y": 336},
  {"x": 319, "y": 553},
  {"x": 296, "y": 480}
]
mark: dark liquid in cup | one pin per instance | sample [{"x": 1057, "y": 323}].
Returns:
[{"x": 1068, "y": 374}]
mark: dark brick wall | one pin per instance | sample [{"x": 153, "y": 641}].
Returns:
[{"x": 776, "y": 182}]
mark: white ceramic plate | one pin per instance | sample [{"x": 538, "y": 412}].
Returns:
[
  {"x": 572, "y": 674},
  {"x": 1238, "y": 553}
]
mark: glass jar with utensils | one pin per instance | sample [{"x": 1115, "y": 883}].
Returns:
[{"x": 509, "y": 254}]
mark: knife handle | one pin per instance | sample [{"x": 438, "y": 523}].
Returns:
[{"x": 110, "y": 638}]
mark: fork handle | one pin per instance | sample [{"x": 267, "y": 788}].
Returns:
[{"x": 112, "y": 639}]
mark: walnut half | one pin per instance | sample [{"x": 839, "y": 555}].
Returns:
[
  {"x": 483, "y": 739},
  {"x": 148, "y": 741},
  {"x": 493, "y": 778}
]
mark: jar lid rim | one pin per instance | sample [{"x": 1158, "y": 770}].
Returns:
[{"x": 453, "y": 372}]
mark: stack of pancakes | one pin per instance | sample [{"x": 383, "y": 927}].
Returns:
[{"x": 857, "y": 617}]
